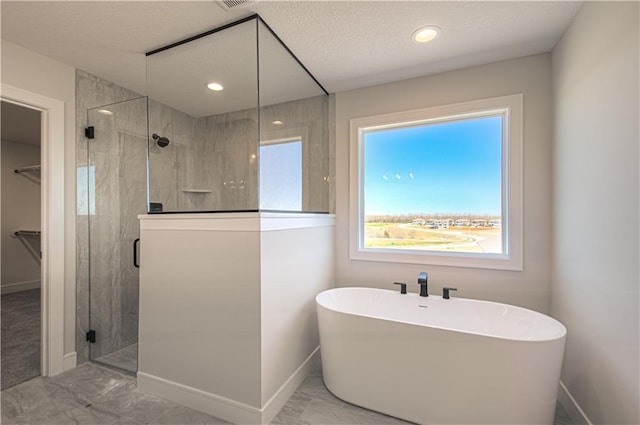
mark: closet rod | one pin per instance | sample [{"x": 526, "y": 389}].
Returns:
[
  {"x": 25, "y": 169},
  {"x": 26, "y": 233}
]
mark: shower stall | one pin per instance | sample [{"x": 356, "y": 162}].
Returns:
[
  {"x": 256, "y": 140},
  {"x": 231, "y": 122}
]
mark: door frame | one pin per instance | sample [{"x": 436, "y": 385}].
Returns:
[{"x": 52, "y": 240}]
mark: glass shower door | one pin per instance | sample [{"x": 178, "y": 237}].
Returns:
[{"x": 117, "y": 184}]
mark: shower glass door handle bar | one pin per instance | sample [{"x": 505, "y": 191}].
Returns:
[
  {"x": 25, "y": 169},
  {"x": 136, "y": 243}
]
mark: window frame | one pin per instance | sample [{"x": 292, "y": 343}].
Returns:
[{"x": 511, "y": 106}]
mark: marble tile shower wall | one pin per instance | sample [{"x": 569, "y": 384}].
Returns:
[
  {"x": 168, "y": 165},
  {"x": 218, "y": 153},
  {"x": 132, "y": 180},
  {"x": 331, "y": 121},
  {"x": 223, "y": 160}
]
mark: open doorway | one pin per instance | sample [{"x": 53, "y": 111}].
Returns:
[{"x": 20, "y": 152}]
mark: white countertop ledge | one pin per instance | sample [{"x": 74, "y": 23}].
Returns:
[{"x": 239, "y": 222}]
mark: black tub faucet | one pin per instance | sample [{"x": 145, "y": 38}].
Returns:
[
  {"x": 445, "y": 292},
  {"x": 403, "y": 287},
  {"x": 422, "y": 281}
]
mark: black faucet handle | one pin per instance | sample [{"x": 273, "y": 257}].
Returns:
[
  {"x": 445, "y": 292},
  {"x": 403, "y": 287}
]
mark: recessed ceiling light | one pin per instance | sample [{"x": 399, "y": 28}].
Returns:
[
  {"x": 277, "y": 122},
  {"x": 105, "y": 112},
  {"x": 425, "y": 34},
  {"x": 215, "y": 86}
]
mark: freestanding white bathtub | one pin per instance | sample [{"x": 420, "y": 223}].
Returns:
[{"x": 435, "y": 361}]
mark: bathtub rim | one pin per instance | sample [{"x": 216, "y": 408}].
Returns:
[{"x": 404, "y": 322}]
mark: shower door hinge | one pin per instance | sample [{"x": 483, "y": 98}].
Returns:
[
  {"x": 89, "y": 132},
  {"x": 91, "y": 336}
]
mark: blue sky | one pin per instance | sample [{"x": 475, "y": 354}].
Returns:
[{"x": 448, "y": 168}]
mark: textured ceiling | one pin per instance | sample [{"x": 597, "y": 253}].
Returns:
[
  {"x": 345, "y": 44},
  {"x": 19, "y": 124},
  {"x": 351, "y": 44}
]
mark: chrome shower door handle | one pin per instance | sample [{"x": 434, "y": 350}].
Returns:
[{"x": 136, "y": 243}]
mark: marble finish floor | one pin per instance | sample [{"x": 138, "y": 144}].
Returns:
[
  {"x": 313, "y": 404},
  {"x": 20, "y": 339},
  {"x": 125, "y": 358},
  {"x": 94, "y": 395}
]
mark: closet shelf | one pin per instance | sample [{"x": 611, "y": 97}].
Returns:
[
  {"x": 26, "y": 169},
  {"x": 26, "y": 233},
  {"x": 196, "y": 190}
]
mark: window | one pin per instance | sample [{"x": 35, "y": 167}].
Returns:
[
  {"x": 439, "y": 186},
  {"x": 86, "y": 183},
  {"x": 281, "y": 174}
]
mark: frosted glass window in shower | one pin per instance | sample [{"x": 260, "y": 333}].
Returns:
[
  {"x": 281, "y": 175},
  {"x": 86, "y": 181}
]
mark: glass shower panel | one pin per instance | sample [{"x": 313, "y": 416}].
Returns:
[
  {"x": 116, "y": 182},
  {"x": 208, "y": 158},
  {"x": 294, "y": 134}
]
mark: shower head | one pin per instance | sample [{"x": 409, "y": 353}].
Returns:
[{"x": 161, "y": 141}]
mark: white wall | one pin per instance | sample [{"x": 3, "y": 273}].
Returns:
[
  {"x": 39, "y": 74},
  {"x": 295, "y": 265},
  {"x": 595, "y": 238},
  {"x": 530, "y": 76},
  {"x": 20, "y": 211},
  {"x": 200, "y": 306}
]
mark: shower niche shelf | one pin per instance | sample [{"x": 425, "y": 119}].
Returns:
[{"x": 196, "y": 190}]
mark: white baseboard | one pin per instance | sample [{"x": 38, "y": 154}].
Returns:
[
  {"x": 284, "y": 393},
  {"x": 222, "y": 407},
  {"x": 9, "y": 288},
  {"x": 69, "y": 361},
  {"x": 577, "y": 415},
  {"x": 212, "y": 404}
]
